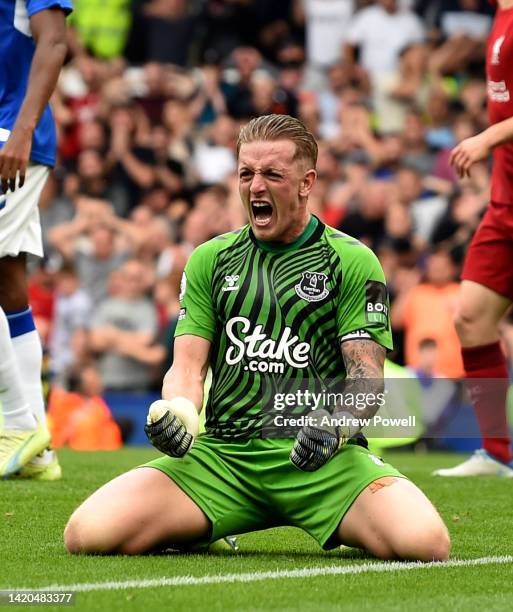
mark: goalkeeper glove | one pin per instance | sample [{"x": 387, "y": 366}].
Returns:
[
  {"x": 316, "y": 444},
  {"x": 172, "y": 425}
]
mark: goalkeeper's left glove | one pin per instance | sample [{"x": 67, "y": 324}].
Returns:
[
  {"x": 172, "y": 425},
  {"x": 315, "y": 444}
]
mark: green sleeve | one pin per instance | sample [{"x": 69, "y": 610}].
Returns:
[
  {"x": 363, "y": 308},
  {"x": 197, "y": 316}
]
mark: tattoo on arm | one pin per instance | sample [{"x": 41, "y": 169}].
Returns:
[
  {"x": 363, "y": 358},
  {"x": 364, "y": 361}
]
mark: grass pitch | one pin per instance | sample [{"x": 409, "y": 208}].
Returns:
[{"x": 478, "y": 512}]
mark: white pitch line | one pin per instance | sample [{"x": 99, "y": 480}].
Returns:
[{"x": 305, "y": 572}]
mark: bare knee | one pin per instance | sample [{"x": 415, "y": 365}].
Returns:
[
  {"x": 478, "y": 314},
  {"x": 475, "y": 327},
  {"x": 396, "y": 521},
  {"x": 82, "y": 535},
  {"x": 135, "y": 513},
  {"x": 424, "y": 543},
  {"x": 72, "y": 537},
  {"x": 466, "y": 319}
]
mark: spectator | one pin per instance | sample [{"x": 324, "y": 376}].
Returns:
[
  {"x": 166, "y": 31},
  {"x": 123, "y": 332},
  {"x": 268, "y": 98},
  {"x": 130, "y": 156},
  {"x": 166, "y": 297},
  {"x": 100, "y": 27},
  {"x": 416, "y": 151},
  {"x": 464, "y": 26},
  {"x": 214, "y": 158},
  {"x": 94, "y": 181},
  {"x": 97, "y": 242},
  {"x": 425, "y": 207},
  {"x": 327, "y": 26},
  {"x": 367, "y": 221},
  {"x": 380, "y": 32},
  {"x": 426, "y": 311},
  {"x": 72, "y": 313},
  {"x": 79, "y": 417},
  {"x": 329, "y": 100},
  {"x": 394, "y": 94}
]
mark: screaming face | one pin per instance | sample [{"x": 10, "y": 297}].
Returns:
[{"x": 274, "y": 186}]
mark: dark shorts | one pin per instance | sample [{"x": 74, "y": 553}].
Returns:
[
  {"x": 489, "y": 259},
  {"x": 249, "y": 485}
]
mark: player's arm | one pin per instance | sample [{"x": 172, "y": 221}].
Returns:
[
  {"x": 477, "y": 148},
  {"x": 364, "y": 362},
  {"x": 49, "y": 32},
  {"x": 173, "y": 421},
  {"x": 186, "y": 377}
]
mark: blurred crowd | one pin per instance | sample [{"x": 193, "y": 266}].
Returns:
[{"x": 148, "y": 109}]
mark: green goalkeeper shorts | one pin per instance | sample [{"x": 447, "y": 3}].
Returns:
[{"x": 248, "y": 485}]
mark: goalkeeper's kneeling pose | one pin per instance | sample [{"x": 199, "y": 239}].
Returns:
[{"x": 284, "y": 300}]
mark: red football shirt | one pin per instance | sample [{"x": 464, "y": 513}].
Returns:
[{"x": 499, "y": 71}]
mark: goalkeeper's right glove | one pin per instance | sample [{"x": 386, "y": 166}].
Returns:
[
  {"x": 315, "y": 445},
  {"x": 172, "y": 425}
]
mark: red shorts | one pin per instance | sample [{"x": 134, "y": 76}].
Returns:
[{"x": 489, "y": 259}]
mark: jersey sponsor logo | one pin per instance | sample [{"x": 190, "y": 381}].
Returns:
[
  {"x": 312, "y": 286},
  {"x": 358, "y": 334},
  {"x": 183, "y": 287},
  {"x": 497, "y": 91},
  {"x": 231, "y": 282},
  {"x": 376, "y": 303},
  {"x": 496, "y": 49},
  {"x": 182, "y": 314},
  {"x": 264, "y": 354}
]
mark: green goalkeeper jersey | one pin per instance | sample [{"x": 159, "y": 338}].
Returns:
[{"x": 275, "y": 315}]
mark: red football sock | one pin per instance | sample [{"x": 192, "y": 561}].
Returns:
[{"x": 489, "y": 397}]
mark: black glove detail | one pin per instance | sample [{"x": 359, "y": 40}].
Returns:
[
  {"x": 169, "y": 436},
  {"x": 313, "y": 448}
]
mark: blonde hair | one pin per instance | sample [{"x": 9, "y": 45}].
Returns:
[{"x": 280, "y": 127}]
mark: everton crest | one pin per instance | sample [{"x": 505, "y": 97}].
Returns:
[{"x": 312, "y": 286}]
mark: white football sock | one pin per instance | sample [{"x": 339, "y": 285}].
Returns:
[
  {"x": 14, "y": 404},
  {"x": 29, "y": 356}
]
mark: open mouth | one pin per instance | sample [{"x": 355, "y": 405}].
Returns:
[{"x": 262, "y": 213}]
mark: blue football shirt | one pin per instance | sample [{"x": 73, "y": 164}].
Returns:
[{"x": 17, "y": 49}]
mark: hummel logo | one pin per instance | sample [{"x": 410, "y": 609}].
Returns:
[{"x": 231, "y": 281}]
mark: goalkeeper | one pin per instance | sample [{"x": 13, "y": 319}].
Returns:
[{"x": 284, "y": 301}]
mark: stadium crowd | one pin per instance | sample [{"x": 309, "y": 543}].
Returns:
[{"x": 148, "y": 109}]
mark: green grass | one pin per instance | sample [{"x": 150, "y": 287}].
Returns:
[{"x": 479, "y": 513}]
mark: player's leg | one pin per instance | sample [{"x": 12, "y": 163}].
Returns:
[
  {"x": 359, "y": 500},
  {"x": 209, "y": 494},
  {"x": 137, "y": 512},
  {"x": 21, "y": 233},
  {"x": 485, "y": 295},
  {"x": 392, "y": 518},
  {"x": 478, "y": 315},
  {"x": 21, "y": 438}
]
